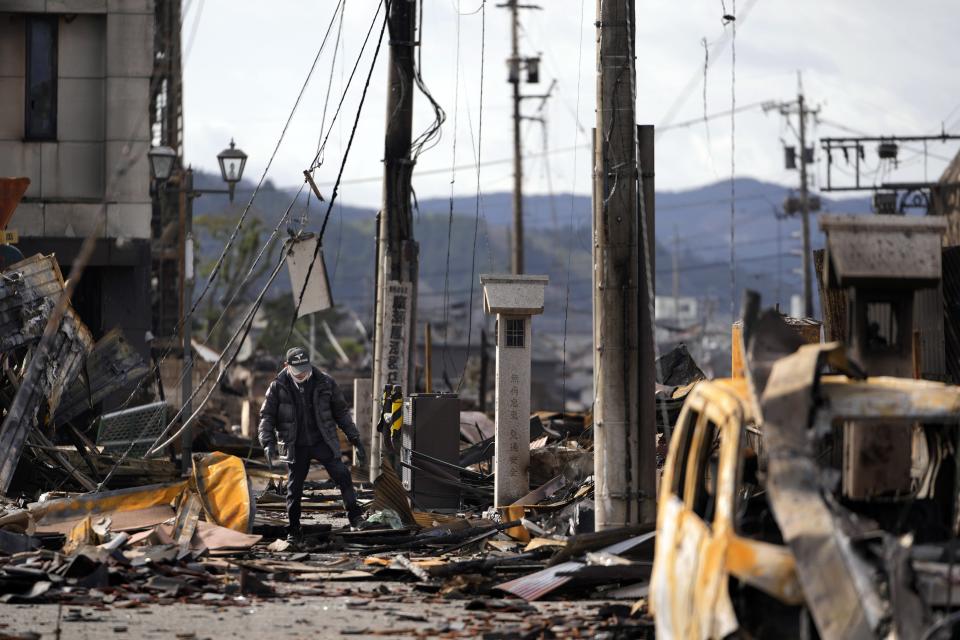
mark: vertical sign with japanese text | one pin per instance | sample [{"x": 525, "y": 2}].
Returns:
[{"x": 396, "y": 336}]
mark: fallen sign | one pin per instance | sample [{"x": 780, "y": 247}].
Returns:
[{"x": 218, "y": 480}]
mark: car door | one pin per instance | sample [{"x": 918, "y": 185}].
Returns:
[{"x": 671, "y": 582}]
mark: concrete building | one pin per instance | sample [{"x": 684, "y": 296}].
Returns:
[
  {"x": 75, "y": 94},
  {"x": 682, "y": 310}
]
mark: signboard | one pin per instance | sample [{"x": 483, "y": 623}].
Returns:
[
  {"x": 317, "y": 296},
  {"x": 397, "y": 305}
]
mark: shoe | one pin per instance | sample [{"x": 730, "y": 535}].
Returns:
[{"x": 295, "y": 536}]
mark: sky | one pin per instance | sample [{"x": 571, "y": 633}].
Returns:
[{"x": 870, "y": 66}]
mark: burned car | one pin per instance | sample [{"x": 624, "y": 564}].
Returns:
[{"x": 762, "y": 531}]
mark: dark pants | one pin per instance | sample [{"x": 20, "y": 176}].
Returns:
[{"x": 297, "y": 473}]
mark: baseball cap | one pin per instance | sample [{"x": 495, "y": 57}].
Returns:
[{"x": 298, "y": 360}]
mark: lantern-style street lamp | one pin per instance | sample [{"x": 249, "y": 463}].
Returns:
[
  {"x": 232, "y": 161},
  {"x": 170, "y": 177},
  {"x": 163, "y": 161}
]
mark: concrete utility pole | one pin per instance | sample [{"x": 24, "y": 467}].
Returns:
[
  {"x": 397, "y": 253},
  {"x": 514, "y": 65},
  {"x": 804, "y": 205},
  {"x": 516, "y": 254},
  {"x": 619, "y": 283}
]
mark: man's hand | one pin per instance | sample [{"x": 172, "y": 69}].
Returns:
[
  {"x": 361, "y": 452},
  {"x": 270, "y": 453}
]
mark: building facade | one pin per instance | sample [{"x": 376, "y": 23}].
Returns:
[{"x": 75, "y": 101}]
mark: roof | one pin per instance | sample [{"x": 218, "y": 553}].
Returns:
[
  {"x": 513, "y": 294},
  {"x": 870, "y": 249}
]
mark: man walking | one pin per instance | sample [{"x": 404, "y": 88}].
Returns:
[{"x": 298, "y": 421}]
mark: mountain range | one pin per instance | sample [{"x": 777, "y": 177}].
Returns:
[{"x": 459, "y": 240}]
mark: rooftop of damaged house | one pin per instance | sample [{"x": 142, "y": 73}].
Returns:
[{"x": 438, "y": 389}]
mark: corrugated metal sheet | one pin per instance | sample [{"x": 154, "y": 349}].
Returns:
[
  {"x": 951, "y": 311},
  {"x": 928, "y": 320},
  {"x": 538, "y": 584},
  {"x": 111, "y": 366}
]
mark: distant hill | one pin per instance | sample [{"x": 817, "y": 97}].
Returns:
[{"x": 557, "y": 239}]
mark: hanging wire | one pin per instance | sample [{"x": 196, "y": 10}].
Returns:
[
  {"x": 476, "y": 217},
  {"x": 326, "y": 138},
  {"x": 573, "y": 208},
  {"x": 444, "y": 356},
  {"x": 343, "y": 164}
]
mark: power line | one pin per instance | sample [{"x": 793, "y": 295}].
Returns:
[
  {"x": 476, "y": 219},
  {"x": 343, "y": 164}
]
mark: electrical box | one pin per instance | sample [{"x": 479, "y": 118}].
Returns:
[{"x": 430, "y": 440}]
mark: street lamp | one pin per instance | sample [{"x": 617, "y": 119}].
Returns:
[
  {"x": 162, "y": 160},
  {"x": 171, "y": 178},
  {"x": 232, "y": 161}
]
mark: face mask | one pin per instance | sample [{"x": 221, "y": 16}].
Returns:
[{"x": 299, "y": 377}]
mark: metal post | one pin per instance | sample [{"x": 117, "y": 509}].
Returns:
[
  {"x": 397, "y": 252},
  {"x": 646, "y": 482},
  {"x": 484, "y": 364},
  {"x": 616, "y": 259},
  {"x": 516, "y": 255},
  {"x": 805, "y": 212},
  {"x": 428, "y": 360},
  {"x": 676, "y": 273},
  {"x": 186, "y": 299}
]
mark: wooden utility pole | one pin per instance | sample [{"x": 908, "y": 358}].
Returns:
[
  {"x": 617, "y": 275},
  {"x": 397, "y": 253}
]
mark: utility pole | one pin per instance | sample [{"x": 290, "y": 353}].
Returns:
[
  {"x": 617, "y": 277},
  {"x": 484, "y": 365},
  {"x": 676, "y": 273},
  {"x": 397, "y": 253},
  {"x": 805, "y": 211},
  {"x": 804, "y": 204},
  {"x": 532, "y": 67},
  {"x": 186, "y": 301}
]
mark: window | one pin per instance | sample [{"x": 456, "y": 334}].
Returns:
[
  {"x": 684, "y": 434},
  {"x": 41, "y": 79},
  {"x": 882, "y": 329},
  {"x": 707, "y": 470},
  {"x": 516, "y": 330}
]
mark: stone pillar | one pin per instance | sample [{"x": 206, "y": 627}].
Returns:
[
  {"x": 363, "y": 412},
  {"x": 514, "y": 300}
]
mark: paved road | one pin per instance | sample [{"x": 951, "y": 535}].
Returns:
[{"x": 363, "y": 610}]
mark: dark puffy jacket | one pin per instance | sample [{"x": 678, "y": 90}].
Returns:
[{"x": 278, "y": 415}]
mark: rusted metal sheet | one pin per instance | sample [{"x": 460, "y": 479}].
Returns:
[
  {"x": 11, "y": 191},
  {"x": 112, "y": 365},
  {"x": 867, "y": 248}
]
